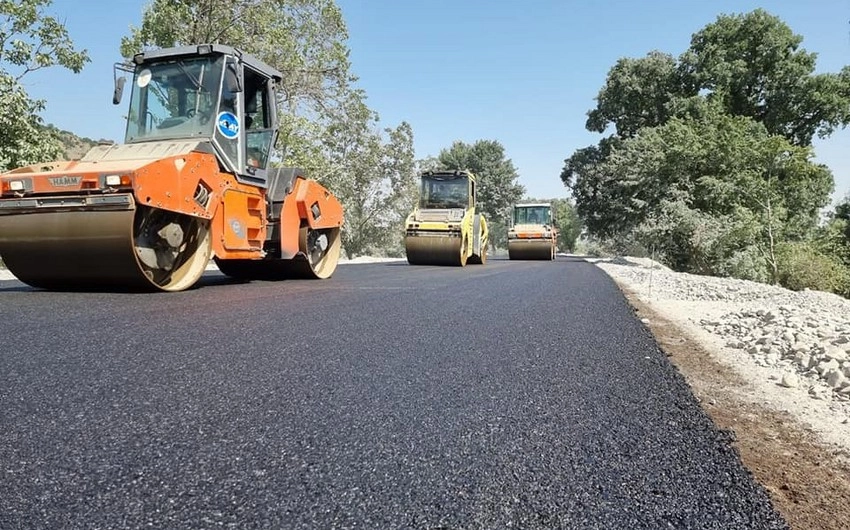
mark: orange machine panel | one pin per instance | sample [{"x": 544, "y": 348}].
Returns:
[
  {"x": 173, "y": 183},
  {"x": 308, "y": 197},
  {"x": 242, "y": 221},
  {"x": 317, "y": 206}
]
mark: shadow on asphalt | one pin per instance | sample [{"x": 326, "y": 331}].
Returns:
[
  {"x": 214, "y": 278},
  {"x": 208, "y": 279}
]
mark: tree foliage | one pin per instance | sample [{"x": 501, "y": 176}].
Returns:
[
  {"x": 497, "y": 176},
  {"x": 585, "y": 175},
  {"x": 801, "y": 265},
  {"x": 755, "y": 65},
  {"x": 303, "y": 39},
  {"x": 637, "y": 93},
  {"x": 702, "y": 190},
  {"x": 752, "y": 64},
  {"x": 375, "y": 178},
  {"x": 842, "y": 213},
  {"x": 568, "y": 223},
  {"x": 29, "y": 40},
  {"x": 24, "y": 139},
  {"x": 709, "y": 161},
  {"x": 832, "y": 239}
]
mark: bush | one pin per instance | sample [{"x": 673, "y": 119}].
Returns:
[
  {"x": 625, "y": 245},
  {"x": 832, "y": 240},
  {"x": 593, "y": 248},
  {"x": 801, "y": 266},
  {"x": 746, "y": 264}
]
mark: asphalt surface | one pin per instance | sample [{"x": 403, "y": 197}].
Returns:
[{"x": 513, "y": 395}]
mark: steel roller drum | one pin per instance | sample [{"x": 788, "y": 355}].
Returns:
[
  {"x": 96, "y": 248},
  {"x": 434, "y": 250},
  {"x": 530, "y": 250},
  {"x": 318, "y": 259}
]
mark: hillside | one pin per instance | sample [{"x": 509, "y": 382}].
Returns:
[{"x": 75, "y": 146}]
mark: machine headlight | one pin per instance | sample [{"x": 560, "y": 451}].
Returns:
[
  {"x": 116, "y": 181},
  {"x": 17, "y": 185}
]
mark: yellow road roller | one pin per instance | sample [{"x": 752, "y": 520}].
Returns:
[
  {"x": 532, "y": 234},
  {"x": 444, "y": 228}
]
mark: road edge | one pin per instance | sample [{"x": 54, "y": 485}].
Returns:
[{"x": 807, "y": 480}]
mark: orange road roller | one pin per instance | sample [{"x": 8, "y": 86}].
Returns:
[
  {"x": 532, "y": 235},
  {"x": 193, "y": 180}
]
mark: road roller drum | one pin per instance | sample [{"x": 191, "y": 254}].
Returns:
[
  {"x": 435, "y": 249},
  {"x": 530, "y": 249},
  {"x": 126, "y": 247}
]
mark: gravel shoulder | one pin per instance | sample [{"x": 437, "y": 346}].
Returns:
[{"x": 767, "y": 364}]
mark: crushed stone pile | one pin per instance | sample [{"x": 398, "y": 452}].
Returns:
[{"x": 805, "y": 334}]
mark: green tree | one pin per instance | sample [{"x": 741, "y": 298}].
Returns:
[
  {"x": 374, "y": 178},
  {"x": 710, "y": 161},
  {"x": 30, "y": 40},
  {"x": 638, "y": 93},
  {"x": 304, "y": 39},
  {"x": 595, "y": 200},
  {"x": 755, "y": 65},
  {"x": 402, "y": 173},
  {"x": 802, "y": 265},
  {"x": 752, "y": 64},
  {"x": 842, "y": 213},
  {"x": 24, "y": 139},
  {"x": 832, "y": 239},
  {"x": 703, "y": 191},
  {"x": 568, "y": 224},
  {"x": 496, "y": 176}
]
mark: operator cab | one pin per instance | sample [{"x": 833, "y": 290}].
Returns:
[
  {"x": 535, "y": 214},
  {"x": 447, "y": 190},
  {"x": 207, "y": 92}
]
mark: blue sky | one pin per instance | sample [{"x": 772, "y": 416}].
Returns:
[{"x": 524, "y": 73}]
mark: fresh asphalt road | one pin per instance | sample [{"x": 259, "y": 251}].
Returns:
[{"x": 513, "y": 395}]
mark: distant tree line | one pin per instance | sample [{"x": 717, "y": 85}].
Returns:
[{"x": 707, "y": 160}]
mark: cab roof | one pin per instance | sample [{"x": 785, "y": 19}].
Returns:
[
  {"x": 446, "y": 174},
  {"x": 538, "y": 204},
  {"x": 200, "y": 50}
]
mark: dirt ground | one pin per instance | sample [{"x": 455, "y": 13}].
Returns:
[{"x": 808, "y": 481}]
